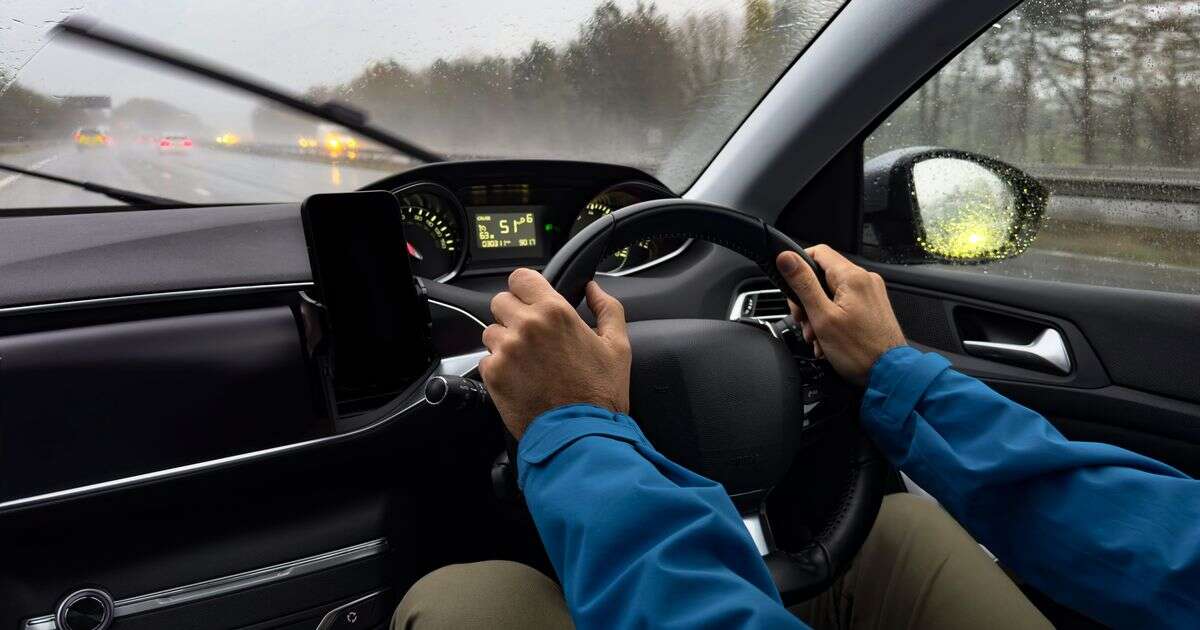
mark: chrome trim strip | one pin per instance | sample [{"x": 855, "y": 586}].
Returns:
[
  {"x": 740, "y": 302},
  {"x": 188, "y": 468},
  {"x": 459, "y": 365},
  {"x": 231, "y": 583},
  {"x": 648, "y": 264},
  {"x": 463, "y": 364},
  {"x": 458, "y": 309},
  {"x": 151, "y": 297},
  {"x": 754, "y": 525}
]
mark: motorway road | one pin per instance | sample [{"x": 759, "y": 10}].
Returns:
[
  {"x": 208, "y": 175},
  {"x": 199, "y": 175}
]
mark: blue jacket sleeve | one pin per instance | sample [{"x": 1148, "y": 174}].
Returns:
[
  {"x": 637, "y": 540},
  {"x": 1108, "y": 532}
]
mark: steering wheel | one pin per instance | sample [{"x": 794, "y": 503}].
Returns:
[{"x": 730, "y": 401}]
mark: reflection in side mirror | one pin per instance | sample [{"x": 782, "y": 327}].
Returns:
[
  {"x": 965, "y": 210},
  {"x": 936, "y": 205}
]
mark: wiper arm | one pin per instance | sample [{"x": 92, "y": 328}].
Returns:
[
  {"x": 341, "y": 114},
  {"x": 125, "y": 196}
]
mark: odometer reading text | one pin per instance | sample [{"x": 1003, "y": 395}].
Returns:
[{"x": 498, "y": 230}]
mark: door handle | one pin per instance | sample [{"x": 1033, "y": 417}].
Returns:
[{"x": 1047, "y": 351}]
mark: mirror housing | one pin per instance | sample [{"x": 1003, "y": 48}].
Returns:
[{"x": 929, "y": 204}]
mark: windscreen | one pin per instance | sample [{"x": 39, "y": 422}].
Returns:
[{"x": 658, "y": 85}]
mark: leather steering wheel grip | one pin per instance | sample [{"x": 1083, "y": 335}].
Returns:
[
  {"x": 810, "y": 570},
  {"x": 804, "y": 574},
  {"x": 575, "y": 264}
]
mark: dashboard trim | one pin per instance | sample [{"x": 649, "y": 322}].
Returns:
[
  {"x": 135, "y": 298},
  {"x": 230, "y": 583},
  {"x": 457, "y": 310}
]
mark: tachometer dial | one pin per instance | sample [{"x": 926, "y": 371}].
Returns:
[
  {"x": 433, "y": 229},
  {"x": 614, "y": 199}
]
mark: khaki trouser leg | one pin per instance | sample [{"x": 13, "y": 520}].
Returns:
[
  {"x": 920, "y": 569},
  {"x": 917, "y": 569},
  {"x": 493, "y": 594}
]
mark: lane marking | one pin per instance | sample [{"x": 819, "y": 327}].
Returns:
[
  {"x": 33, "y": 167},
  {"x": 36, "y": 165},
  {"x": 202, "y": 192}
]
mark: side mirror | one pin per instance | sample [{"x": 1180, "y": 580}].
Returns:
[{"x": 927, "y": 204}]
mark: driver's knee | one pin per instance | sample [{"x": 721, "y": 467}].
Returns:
[
  {"x": 917, "y": 536},
  {"x": 920, "y": 568},
  {"x": 491, "y": 594}
]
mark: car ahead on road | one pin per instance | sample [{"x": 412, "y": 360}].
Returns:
[
  {"x": 175, "y": 143},
  {"x": 181, "y": 442},
  {"x": 90, "y": 137}
]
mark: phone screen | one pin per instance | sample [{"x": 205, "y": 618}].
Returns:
[{"x": 379, "y": 324}]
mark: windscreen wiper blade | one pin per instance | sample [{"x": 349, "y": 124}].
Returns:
[
  {"x": 125, "y": 196},
  {"x": 349, "y": 117}
]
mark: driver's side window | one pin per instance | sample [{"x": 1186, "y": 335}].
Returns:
[{"x": 1097, "y": 100}]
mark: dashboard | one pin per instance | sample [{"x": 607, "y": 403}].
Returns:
[{"x": 483, "y": 217}]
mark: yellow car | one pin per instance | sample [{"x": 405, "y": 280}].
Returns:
[
  {"x": 91, "y": 138},
  {"x": 339, "y": 145}
]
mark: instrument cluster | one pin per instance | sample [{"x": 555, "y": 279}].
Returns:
[{"x": 488, "y": 228}]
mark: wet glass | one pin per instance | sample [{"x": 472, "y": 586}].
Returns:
[
  {"x": 1100, "y": 101},
  {"x": 656, "y": 85}
]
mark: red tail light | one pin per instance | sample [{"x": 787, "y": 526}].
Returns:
[
  {"x": 187, "y": 143},
  {"x": 164, "y": 143}
]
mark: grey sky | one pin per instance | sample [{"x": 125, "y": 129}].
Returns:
[{"x": 294, "y": 44}]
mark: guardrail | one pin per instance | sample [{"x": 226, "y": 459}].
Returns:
[
  {"x": 383, "y": 159},
  {"x": 24, "y": 145},
  {"x": 1078, "y": 190},
  {"x": 365, "y": 158},
  {"x": 1173, "y": 185}
]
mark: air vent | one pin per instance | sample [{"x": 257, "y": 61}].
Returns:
[{"x": 765, "y": 305}]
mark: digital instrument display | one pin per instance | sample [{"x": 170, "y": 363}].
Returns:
[
  {"x": 507, "y": 231},
  {"x": 377, "y": 320}
]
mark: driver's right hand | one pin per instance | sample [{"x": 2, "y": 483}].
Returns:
[{"x": 854, "y": 328}]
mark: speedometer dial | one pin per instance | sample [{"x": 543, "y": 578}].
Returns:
[{"x": 433, "y": 230}]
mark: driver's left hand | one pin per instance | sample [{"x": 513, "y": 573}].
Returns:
[{"x": 543, "y": 355}]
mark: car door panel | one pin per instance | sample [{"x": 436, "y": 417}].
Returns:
[
  {"x": 1134, "y": 383},
  {"x": 1144, "y": 339},
  {"x": 143, "y": 538}
]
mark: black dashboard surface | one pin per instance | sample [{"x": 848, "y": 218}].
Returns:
[
  {"x": 65, "y": 257},
  {"x": 102, "y": 252}
]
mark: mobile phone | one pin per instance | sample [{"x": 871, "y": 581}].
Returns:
[{"x": 379, "y": 329}]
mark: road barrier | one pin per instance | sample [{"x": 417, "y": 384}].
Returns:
[
  {"x": 382, "y": 159},
  {"x": 365, "y": 158},
  {"x": 1150, "y": 196},
  {"x": 1174, "y": 185},
  {"x": 21, "y": 146}
]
